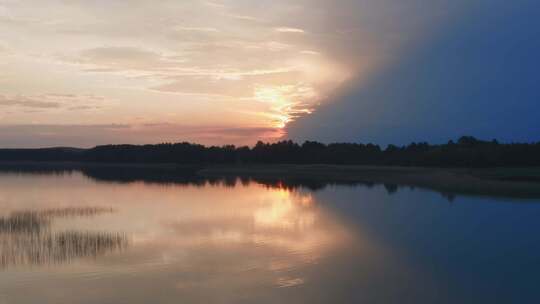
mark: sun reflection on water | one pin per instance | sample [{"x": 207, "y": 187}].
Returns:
[
  {"x": 287, "y": 210},
  {"x": 219, "y": 236}
]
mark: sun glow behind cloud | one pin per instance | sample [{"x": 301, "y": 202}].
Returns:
[{"x": 284, "y": 102}]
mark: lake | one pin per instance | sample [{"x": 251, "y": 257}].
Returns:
[{"x": 71, "y": 236}]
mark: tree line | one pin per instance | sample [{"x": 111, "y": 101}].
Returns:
[{"x": 465, "y": 152}]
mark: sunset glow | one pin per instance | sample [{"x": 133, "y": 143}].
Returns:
[
  {"x": 85, "y": 73},
  {"x": 211, "y": 72}
]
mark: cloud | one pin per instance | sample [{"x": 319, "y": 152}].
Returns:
[
  {"x": 28, "y": 102},
  {"x": 235, "y": 85},
  {"x": 197, "y": 29},
  {"x": 225, "y": 59},
  {"x": 52, "y": 101},
  {"x": 476, "y": 75},
  {"x": 35, "y": 136},
  {"x": 289, "y": 30},
  {"x": 155, "y": 57},
  {"x": 215, "y": 5},
  {"x": 47, "y": 135},
  {"x": 307, "y": 52},
  {"x": 244, "y": 18},
  {"x": 205, "y": 86},
  {"x": 123, "y": 58}
]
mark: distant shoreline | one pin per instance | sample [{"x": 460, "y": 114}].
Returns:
[
  {"x": 500, "y": 182},
  {"x": 466, "y": 152}
]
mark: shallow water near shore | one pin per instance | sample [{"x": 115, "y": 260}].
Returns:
[{"x": 69, "y": 237}]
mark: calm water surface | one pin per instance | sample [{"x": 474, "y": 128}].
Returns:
[{"x": 74, "y": 238}]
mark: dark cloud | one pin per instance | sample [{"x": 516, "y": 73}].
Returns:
[{"x": 477, "y": 75}]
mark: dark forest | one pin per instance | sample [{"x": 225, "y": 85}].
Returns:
[{"x": 465, "y": 152}]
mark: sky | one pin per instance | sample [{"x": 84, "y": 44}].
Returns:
[
  {"x": 474, "y": 74},
  {"x": 89, "y": 72}
]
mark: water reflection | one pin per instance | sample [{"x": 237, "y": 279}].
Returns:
[
  {"x": 255, "y": 241},
  {"x": 175, "y": 226},
  {"x": 242, "y": 230},
  {"x": 27, "y": 238},
  {"x": 187, "y": 176}
]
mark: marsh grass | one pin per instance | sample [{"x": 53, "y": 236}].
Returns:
[
  {"x": 36, "y": 221},
  {"x": 26, "y": 238},
  {"x": 57, "y": 248}
]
